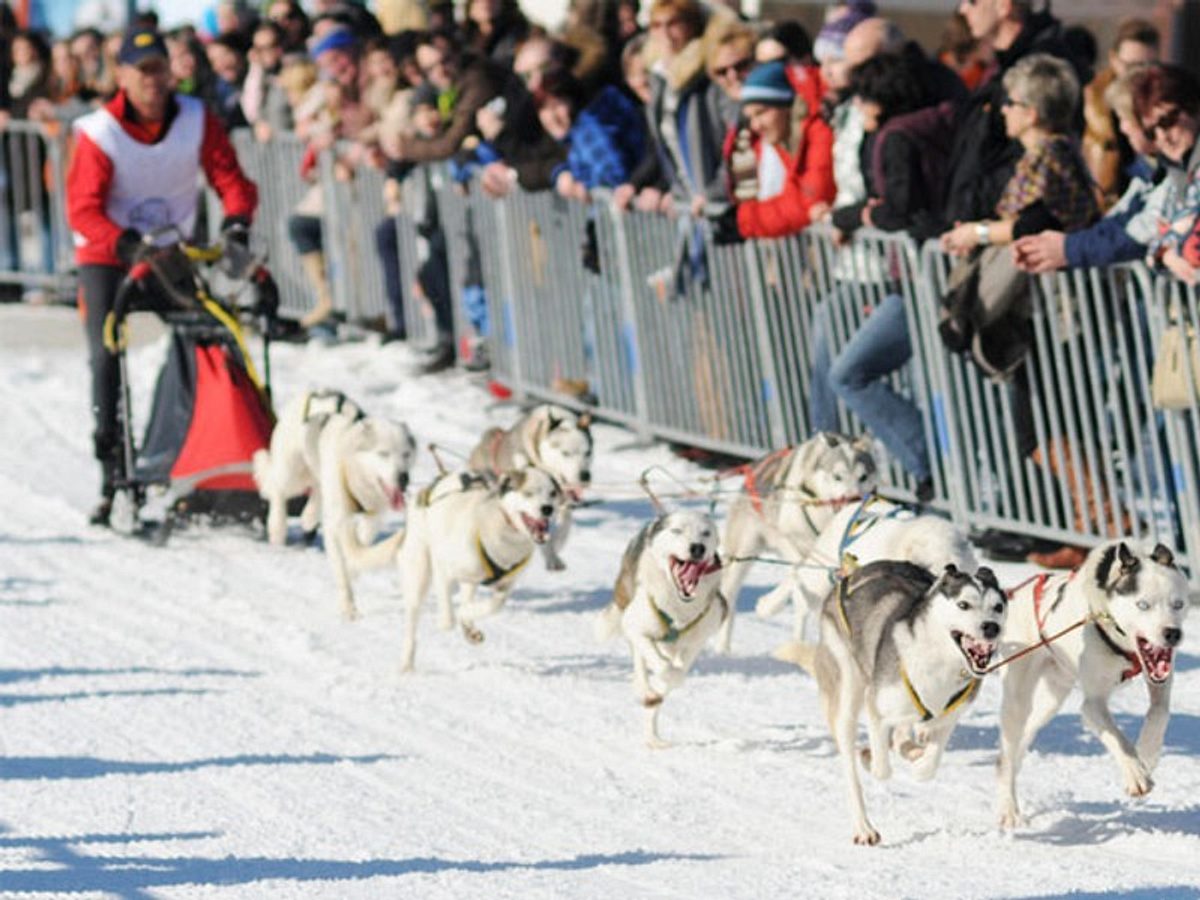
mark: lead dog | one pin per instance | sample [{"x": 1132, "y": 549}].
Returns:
[
  {"x": 1134, "y": 605},
  {"x": 554, "y": 439},
  {"x": 787, "y": 498},
  {"x": 667, "y": 602},
  {"x": 354, "y": 468},
  {"x": 913, "y": 651},
  {"x": 869, "y": 530},
  {"x": 468, "y": 530}
]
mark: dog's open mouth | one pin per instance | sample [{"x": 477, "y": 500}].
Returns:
[
  {"x": 539, "y": 529},
  {"x": 688, "y": 572},
  {"x": 1156, "y": 661},
  {"x": 394, "y": 494},
  {"x": 978, "y": 653}
]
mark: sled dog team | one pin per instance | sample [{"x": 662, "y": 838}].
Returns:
[{"x": 909, "y": 623}]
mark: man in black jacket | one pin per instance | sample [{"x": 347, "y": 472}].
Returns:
[{"x": 982, "y": 156}]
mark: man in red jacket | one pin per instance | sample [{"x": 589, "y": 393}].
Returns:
[{"x": 134, "y": 173}]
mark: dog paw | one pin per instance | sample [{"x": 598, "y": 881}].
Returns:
[
  {"x": 650, "y": 700},
  {"x": 866, "y": 836},
  {"x": 446, "y": 622},
  {"x": 925, "y": 769},
  {"x": 555, "y": 565},
  {"x": 349, "y": 612},
  {"x": 1011, "y": 819},
  {"x": 472, "y": 634},
  {"x": 1138, "y": 782},
  {"x": 656, "y": 743},
  {"x": 910, "y": 751}
]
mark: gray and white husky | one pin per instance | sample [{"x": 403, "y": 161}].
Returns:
[
  {"x": 353, "y": 467},
  {"x": 667, "y": 602},
  {"x": 869, "y": 530},
  {"x": 552, "y": 438},
  {"x": 1134, "y": 604},
  {"x": 787, "y": 499},
  {"x": 912, "y": 650},
  {"x": 469, "y": 530}
]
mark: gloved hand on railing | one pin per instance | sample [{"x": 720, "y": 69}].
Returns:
[
  {"x": 725, "y": 228},
  {"x": 235, "y": 239},
  {"x": 266, "y": 300},
  {"x": 129, "y": 246}
]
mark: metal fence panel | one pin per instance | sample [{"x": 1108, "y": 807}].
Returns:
[{"x": 36, "y": 249}]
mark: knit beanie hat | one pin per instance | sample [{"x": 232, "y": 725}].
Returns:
[
  {"x": 831, "y": 39},
  {"x": 768, "y": 84}
]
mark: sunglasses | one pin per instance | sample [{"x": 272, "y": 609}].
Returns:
[
  {"x": 741, "y": 67},
  {"x": 1165, "y": 122},
  {"x": 1013, "y": 101}
]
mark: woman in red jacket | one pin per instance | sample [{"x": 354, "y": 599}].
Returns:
[{"x": 793, "y": 149}]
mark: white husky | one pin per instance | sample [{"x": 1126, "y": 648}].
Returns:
[
  {"x": 470, "y": 530},
  {"x": 667, "y": 602},
  {"x": 912, "y": 651},
  {"x": 552, "y": 438},
  {"x": 1134, "y": 605},
  {"x": 787, "y": 499},
  {"x": 869, "y": 530},
  {"x": 354, "y": 468}
]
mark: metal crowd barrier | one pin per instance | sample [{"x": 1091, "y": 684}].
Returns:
[{"x": 36, "y": 250}]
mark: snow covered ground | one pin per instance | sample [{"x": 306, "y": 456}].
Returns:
[{"x": 196, "y": 721}]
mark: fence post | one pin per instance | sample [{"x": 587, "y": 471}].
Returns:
[
  {"x": 509, "y": 301},
  {"x": 753, "y": 251}
]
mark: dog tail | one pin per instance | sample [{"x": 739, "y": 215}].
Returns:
[
  {"x": 261, "y": 462},
  {"x": 608, "y": 623},
  {"x": 374, "y": 556},
  {"x": 800, "y": 653}
]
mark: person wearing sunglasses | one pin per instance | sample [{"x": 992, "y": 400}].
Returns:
[
  {"x": 1167, "y": 103},
  {"x": 729, "y": 59}
]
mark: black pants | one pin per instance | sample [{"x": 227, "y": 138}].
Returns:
[
  {"x": 98, "y": 290},
  {"x": 387, "y": 245}
]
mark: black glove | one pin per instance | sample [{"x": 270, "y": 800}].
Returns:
[
  {"x": 266, "y": 302},
  {"x": 725, "y": 228},
  {"x": 591, "y": 248},
  {"x": 129, "y": 246},
  {"x": 236, "y": 230}
]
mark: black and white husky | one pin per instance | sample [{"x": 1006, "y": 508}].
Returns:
[
  {"x": 353, "y": 467},
  {"x": 869, "y": 530},
  {"x": 1134, "y": 604},
  {"x": 469, "y": 530},
  {"x": 911, "y": 650},
  {"x": 787, "y": 499},
  {"x": 552, "y": 438},
  {"x": 667, "y": 602}
]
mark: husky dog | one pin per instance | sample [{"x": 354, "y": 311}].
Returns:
[
  {"x": 469, "y": 530},
  {"x": 353, "y": 466},
  {"x": 667, "y": 602},
  {"x": 870, "y": 530},
  {"x": 789, "y": 496},
  {"x": 910, "y": 649},
  {"x": 1134, "y": 605},
  {"x": 554, "y": 439}
]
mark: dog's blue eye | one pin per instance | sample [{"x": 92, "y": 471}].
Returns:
[{"x": 1143, "y": 605}]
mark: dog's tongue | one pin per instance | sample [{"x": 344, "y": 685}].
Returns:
[
  {"x": 396, "y": 496},
  {"x": 1156, "y": 660},
  {"x": 688, "y": 572}
]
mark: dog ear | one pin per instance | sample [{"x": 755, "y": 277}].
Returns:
[
  {"x": 584, "y": 422},
  {"x": 1163, "y": 556},
  {"x": 950, "y": 571},
  {"x": 553, "y": 421},
  {"x": 832, "y": 439},
  {"x": 510, "y": 481},
  {"x": 1128, "y": 559},
  {"x": 864, "y": 443},
  {"x": 987, "y": 578}
]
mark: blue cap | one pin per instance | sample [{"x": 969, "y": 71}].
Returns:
[
  {"x": 768, "y": 84},
  {"x": 338, "y": 39},
  {"x": 140, "y": 44}
]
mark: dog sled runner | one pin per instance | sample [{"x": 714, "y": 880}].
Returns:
[{"x": 211, "y": 409}]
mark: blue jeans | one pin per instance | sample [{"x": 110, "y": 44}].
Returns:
[{"x": 857, "y": 378}]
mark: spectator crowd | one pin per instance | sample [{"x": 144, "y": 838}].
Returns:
[{"x": 1018, "y": 145}]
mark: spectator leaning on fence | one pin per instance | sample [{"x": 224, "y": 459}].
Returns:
[
  {"x": 1127, "y": 229},
  {"x": 792, "y": 145},
  {"x": 134, "y": 172},
  {"x": 1167, "y": 102}
]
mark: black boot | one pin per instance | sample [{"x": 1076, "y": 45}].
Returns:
[{"x": 103, "y": 511}]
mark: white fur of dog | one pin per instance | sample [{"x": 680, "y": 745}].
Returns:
[
  {"x": 795, "y": 494},
  {"x": 912, "y": 651},
  {"x": 667, "y": 602},
  {"x": 354, "y": 468},
  {"x": 869, "y": 530},
  {"x": 469, "y": 530},
  {"x": 1135, "y": 603},
  {"x": 552, "y": 438}
]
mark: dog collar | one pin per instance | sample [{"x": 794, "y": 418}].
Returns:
[
  {"x": 674, "y": 632},
  {"x": 962, "y": 696},
  {"x": 1135, "y": 662}
]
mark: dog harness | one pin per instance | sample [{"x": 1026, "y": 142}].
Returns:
[
  {"x": 960, "y": 697},
  {"x": 494, "y": 571},
  {"x": 674, "y": 633},
  {"x": 1039, "y": 592}
]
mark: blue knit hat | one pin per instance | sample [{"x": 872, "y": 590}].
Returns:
[
  {"x": 831, "y": 39},
  {"x": 337, "y": 39},
  {"x": 768, "y": 84}
]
